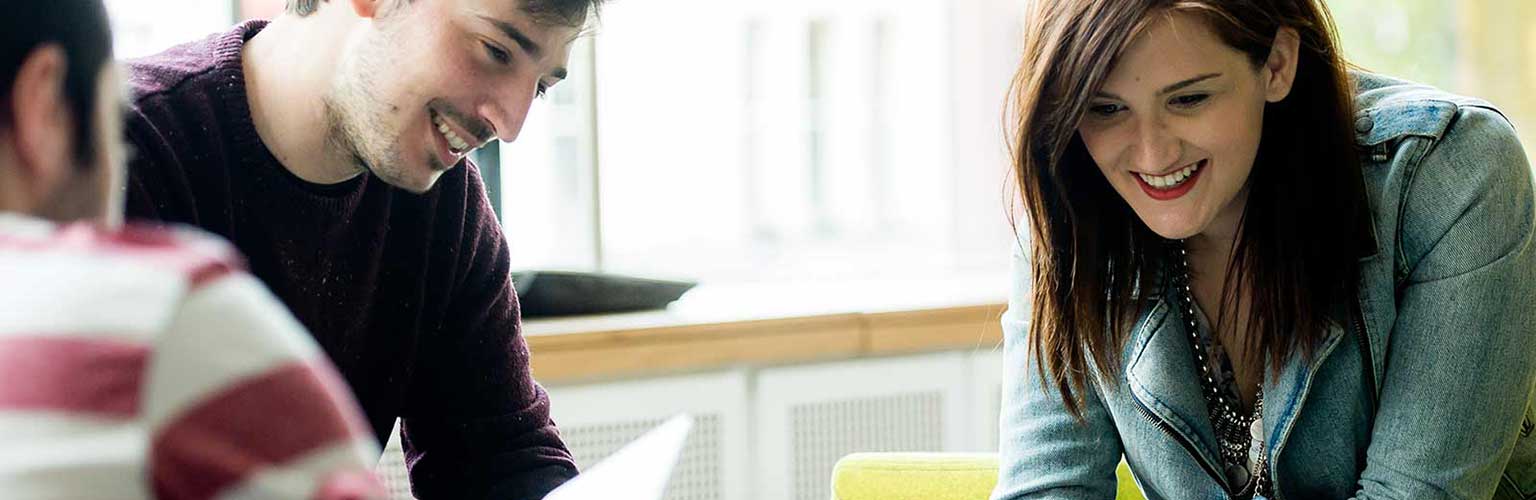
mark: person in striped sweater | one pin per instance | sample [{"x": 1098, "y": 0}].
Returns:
[{"x": 138, "y": 362}]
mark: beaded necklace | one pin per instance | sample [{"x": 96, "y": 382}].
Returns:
[{"x": 1240, "y": 436}]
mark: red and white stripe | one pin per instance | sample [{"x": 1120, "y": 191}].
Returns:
[{"x": 145, "y": 364}]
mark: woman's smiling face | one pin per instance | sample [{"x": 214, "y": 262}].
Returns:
[{"x": 1176, "y": 125}]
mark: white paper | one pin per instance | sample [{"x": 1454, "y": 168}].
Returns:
[{"x": 639, "y": 471}]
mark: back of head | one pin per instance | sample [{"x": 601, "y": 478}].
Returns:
[
  {"x": 80, "y": 28},
  {"x": 58, "y": 119}
]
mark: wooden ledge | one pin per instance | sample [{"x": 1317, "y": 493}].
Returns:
[{"x": 626, "y": 345}]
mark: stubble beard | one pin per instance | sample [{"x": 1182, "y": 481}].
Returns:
[{"x": 358, "y": 119}]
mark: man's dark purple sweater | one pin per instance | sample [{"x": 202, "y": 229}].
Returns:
[{"x": 409, "y": 294}]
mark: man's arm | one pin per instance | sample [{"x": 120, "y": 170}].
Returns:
[{"x": 475, "y": 424}]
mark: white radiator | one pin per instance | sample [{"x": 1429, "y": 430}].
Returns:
[
  {"x": 812, "y": 415},
  {"x": 596, "y": 420},
  {"x": 775, "y": 433}
]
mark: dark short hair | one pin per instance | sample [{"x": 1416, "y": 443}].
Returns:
[
  {"x": 550, "y": 12},
  {"x": 80, "y": 28}
]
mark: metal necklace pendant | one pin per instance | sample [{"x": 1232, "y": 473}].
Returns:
[
  {"x": 1239, "y": 436},
  {"x": 1258, "y": 458}
]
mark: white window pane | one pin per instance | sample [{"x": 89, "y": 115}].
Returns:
[
  {"x": 765, "y": 139},
  {"x": 547, "y": 185},
  {"x": 144, "y": 27}
]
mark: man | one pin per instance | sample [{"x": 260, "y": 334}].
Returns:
[
  {"x": 329, "y": 145},
  {"x": 138, "y": 362}
]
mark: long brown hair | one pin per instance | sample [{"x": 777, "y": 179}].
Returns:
[{"x": 1094, "y": 263}]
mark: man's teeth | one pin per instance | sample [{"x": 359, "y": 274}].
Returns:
[
  {"x": 1173, "y": 179},
  {"x": 458, "y": 144}
]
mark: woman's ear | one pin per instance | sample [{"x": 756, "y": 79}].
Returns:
[{"x": 1279, "y": 71}]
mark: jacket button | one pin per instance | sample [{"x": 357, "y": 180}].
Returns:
[{"x": 1364, "y": 124}]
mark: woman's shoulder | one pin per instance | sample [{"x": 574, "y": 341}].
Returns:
[
  {"x": 1388, "y": 110},
  {"x": 1441, "y": 165}
]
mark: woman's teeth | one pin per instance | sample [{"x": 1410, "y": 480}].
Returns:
[
  {"x": 1173, "y": 179},
  {"x": 457, "y": 144}
]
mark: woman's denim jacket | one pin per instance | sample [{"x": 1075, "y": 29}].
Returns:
[{"x": 1426, "y": 394}]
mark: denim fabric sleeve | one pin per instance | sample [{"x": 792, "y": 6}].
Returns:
[
  {"x": 1461, "y": 354},
  {"x": 1045, "y": 453}
]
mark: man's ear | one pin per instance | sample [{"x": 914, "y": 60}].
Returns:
[
  {"x": 40, "y": 119},
  {"x": 1279, "y": 69},
  {"x": 366, "y": 8}
]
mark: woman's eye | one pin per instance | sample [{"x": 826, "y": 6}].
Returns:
[
  {"x": 498, "y": 55},
  {"x": 1189, "y": 100},
  {"x": 1104, "y": 110}
]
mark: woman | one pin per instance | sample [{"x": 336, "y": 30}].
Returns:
[{"x": 1255, "y": 274}]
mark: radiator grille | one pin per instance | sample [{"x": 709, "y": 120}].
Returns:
[
  {"x": 698, "y": 471},
  {"x": 824, "y": 432}
]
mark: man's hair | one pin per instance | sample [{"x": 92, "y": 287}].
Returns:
[
  {"x": 571, "y": 13},
  {"x": 80, "y": 28}
]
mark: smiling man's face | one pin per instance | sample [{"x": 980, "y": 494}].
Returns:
[{"x": 428, "y": 81}]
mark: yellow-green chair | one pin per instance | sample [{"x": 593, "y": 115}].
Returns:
[{"x": 930, "y": 476}]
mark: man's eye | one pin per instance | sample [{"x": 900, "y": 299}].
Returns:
[
  {"x": 540, "y": 90},
  {"x": 498, "y": 55},
  {"x": 1189, "y": 100}
]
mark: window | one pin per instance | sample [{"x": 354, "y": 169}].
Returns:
[
  {"x": 1404, "y": 38},
  {"x": 1481, "y": 48},
  {"x": 771, "y": 140},
  {"x": 144, "y": 27}
]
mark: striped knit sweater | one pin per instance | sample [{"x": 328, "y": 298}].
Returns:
[{"x": 145, "y": 364}]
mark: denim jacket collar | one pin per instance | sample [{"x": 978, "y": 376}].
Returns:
[{"x": 1159, "y": 370}]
